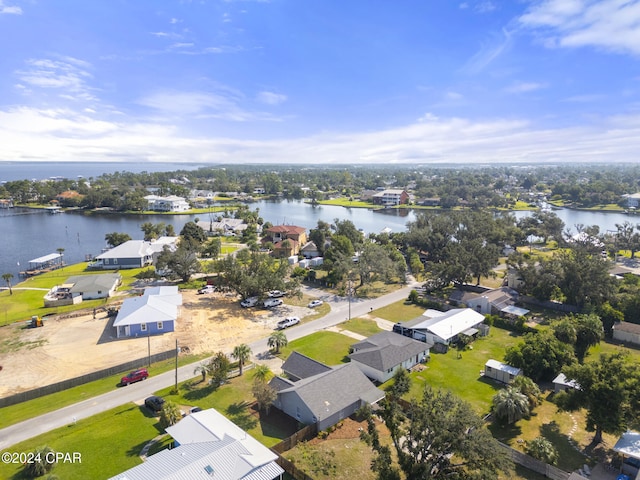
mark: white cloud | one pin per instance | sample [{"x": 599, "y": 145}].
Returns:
[
  {"x": 271, "y": 98},
  {"x": 66, "y": 74},
  {"x": 488, "y": 53},
  {"x": 9, "y": 9},
  {"x": 524, "y": 87},
  {"x": 62, "y": 134},
  {"x": 450, "y": 95},
  {"x": 612, "y": 25}
]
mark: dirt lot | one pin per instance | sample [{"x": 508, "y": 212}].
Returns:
[{"x": 70, "y": 347}]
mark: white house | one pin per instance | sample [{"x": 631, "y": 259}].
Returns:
[
  {"x": 627, "y": 332},
  {"x": 132, "y": 254},
  {"x": 500, "y": 371},
  {"x": 633, "y": 200},
  {"x": 434, "y": 326},
  {"x": 171, "y": 203},
  {"x": 83, "y": 287},
  {"x": 208, "y": 446},
  {"x": 380, "y": 356}
]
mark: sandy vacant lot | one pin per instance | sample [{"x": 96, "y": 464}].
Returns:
[{"x": 65, "y": 348}]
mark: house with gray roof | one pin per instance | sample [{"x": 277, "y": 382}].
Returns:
[
  {"x": 627, "y": 332},
  {"x": 78, "y": 288},
  {"x": 208, "y": 445},
  {"x": 380, "y": 356},
  {"x": 326, "y": 397},
  {"x": 155, "y": 312},
  {"x": 298, "y": 366},
  {"x": 132, "y": 254}
]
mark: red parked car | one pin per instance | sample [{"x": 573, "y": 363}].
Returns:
[{"x": 135, "y": 376}]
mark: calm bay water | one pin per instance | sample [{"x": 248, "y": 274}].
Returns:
[{"x": 26, "y": 235}]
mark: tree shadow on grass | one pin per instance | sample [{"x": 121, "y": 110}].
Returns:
[
  {"x": 503, "y": 432},
  {"x": 135, "y": 450},
  {"x": 198, "y": 393},
  {"x": 241, "y": 415},
  {"x": 494, "y": 384}
]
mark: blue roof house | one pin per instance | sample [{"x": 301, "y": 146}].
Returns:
[{"x": 153, "y": 313}]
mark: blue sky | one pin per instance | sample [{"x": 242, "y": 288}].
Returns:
[{"x": 320, "y": 81}]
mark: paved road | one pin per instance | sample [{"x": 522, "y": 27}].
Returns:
[{"x": 137, "y": 392}]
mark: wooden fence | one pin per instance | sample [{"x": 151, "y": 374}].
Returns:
[
  {"x": 534, "y": 465},
  {"x": 307, "y": 433}
]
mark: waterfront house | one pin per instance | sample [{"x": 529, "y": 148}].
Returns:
[
  {"x": 633, "y": 200},
  {"x": 391, "y": 198},
  {"x": 171, "y": 203},
  {"x": 154, "y": 312},
  {"x": 380, "y": 356},
  {"x": 78, "y": 288},
  {"x": 132, "y": 254}
]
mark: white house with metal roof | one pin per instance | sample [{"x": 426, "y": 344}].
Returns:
[
  {"x": 153, "y": 313},
  {"x": 434, "y": 326},
  {"x": 208, "y": 445}
]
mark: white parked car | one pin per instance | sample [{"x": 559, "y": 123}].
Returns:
[
  {"x": 249, "y": 302},
  {"x": 276, "y": 293},
  {"x": 315, "y": 303},
  {"x": 272, "y": 302},
  {"x": 287, "y": 322}
]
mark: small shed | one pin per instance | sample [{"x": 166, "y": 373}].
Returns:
[
  {"x": 562, "y": 383},
  {"x": 500, "y": 371},
  {"x": 627, "y": 332},
  {"x": 629, "y": 447}
]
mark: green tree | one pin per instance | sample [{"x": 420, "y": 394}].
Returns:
[
  {"x": 170, "y": 414},
  {"x": 529, "y": 389},
  {"x": 183, "y": 261},
  {"x": 609, "y": 317},
  {"x": 151, "y": 231},
  {"x": 44, "y": 461},
  {"x": 7, "y": 277},
  {"x": 114, "y": 239},
  {"x": 218, "y": 368},
  {"x": 242, "y": 353},
  {"x": 277, "y": 340},
  {"x": 253, "y": 273},
  {"x": 441, "y": 437},
  {"x": 608, "y": 391},
  {"x": 264, "y": 394},
  {"x": 192, "y": 232},
  {"x": 581, "y": 331},
  {"x": 401, "y": 383},
  {"x": 212, "y": 248},
  {"x": 540, "y": 355},
  {"x": 262, "y": 373},
  {"x": 509, "y": 405},
  {"x": 201, "y": 369},
  {"x": 543, "y": 450}
]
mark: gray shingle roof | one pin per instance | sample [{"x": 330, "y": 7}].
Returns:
[
  {"x": 329, "y": 392},
  {"x": 301, "y": 366},
  {"x": 93, "y": 283},
  {"x": 386, "y": 350}
]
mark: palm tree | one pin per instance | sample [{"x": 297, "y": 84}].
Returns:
[
  {"x": 241, "y": 353},
  {"x": 202, "y": 369},
  {"x": 43, "y": 462},
  {"x": 543, "y": 450},
  {"x": 261, "y": 373},
  {"x": 509, "y": 405},
  {"x": 60, "y": 250},
  {"x": 528, "y": 388},
  {"x": 7, "y": 277},
  {"x": 170, "y": 414},
  {"x": 277, "y": 340}
]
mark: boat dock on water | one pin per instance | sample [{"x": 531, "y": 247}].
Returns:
[{"x": 44, "y": 264}]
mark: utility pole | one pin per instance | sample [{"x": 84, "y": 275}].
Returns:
[{"x": 176, "y": 365}]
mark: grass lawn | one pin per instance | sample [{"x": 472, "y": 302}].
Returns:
[
  {"x": 111, "y": 441},
  {"x": 362, "y": 326},
  {"x": 345, "y": 202},
  {"x": 108, "y": 443},
  {"x": 38, "y": 406},
  {"x": 24, "y": 303},
  {"x": 399, "y": 311},
  {"x": 318, "y": 312},
  {"x": 462, "y": 375},
  {"x": 329, "y": 348}
]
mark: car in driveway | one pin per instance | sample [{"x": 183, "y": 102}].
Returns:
[
  {"x": 207, "y": 289},
  {"x": 272, "y": 302},
  {"x": 287, "y": 322},
  {"x": 315, "y": 303},
  {"x": 135, "y": 376},
  {"x": 154, "y": 403},
  {"x": 276, "y": 294},
  {"x": 249, "y": 302}
]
